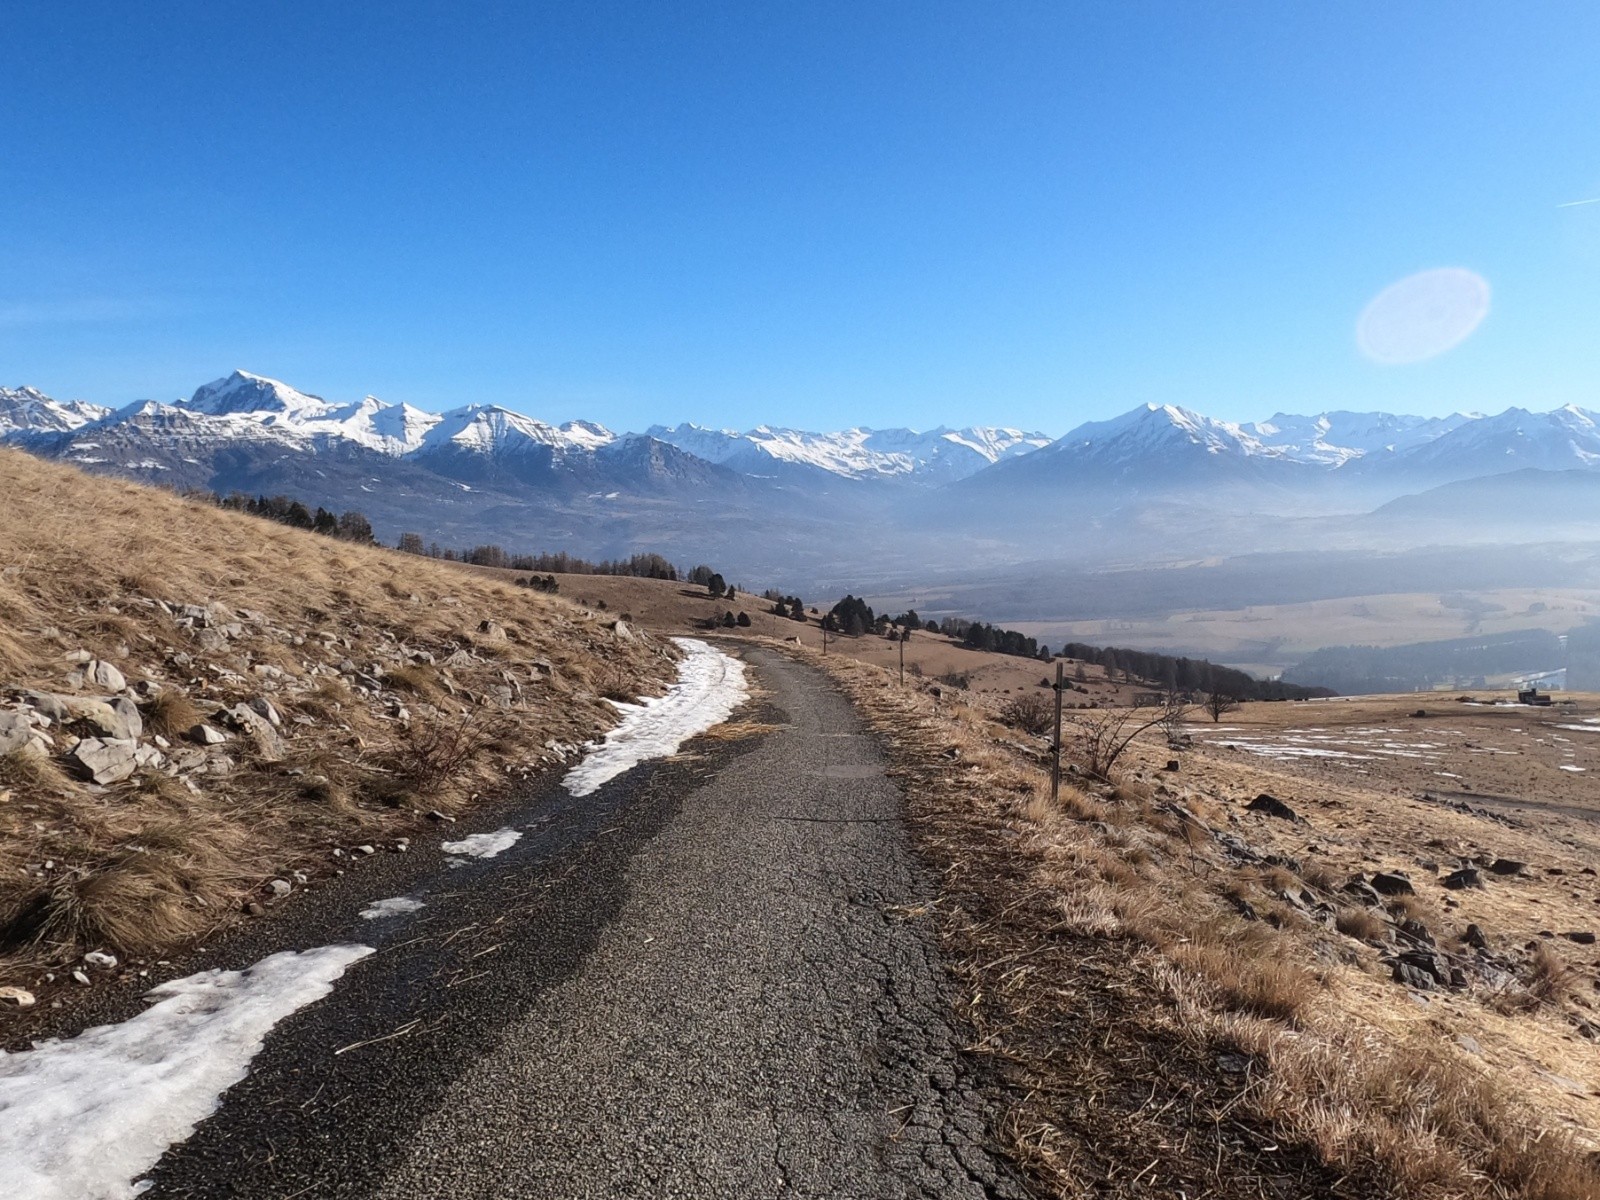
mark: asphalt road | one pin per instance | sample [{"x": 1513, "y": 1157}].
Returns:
[{"x": 705, "y": 980}]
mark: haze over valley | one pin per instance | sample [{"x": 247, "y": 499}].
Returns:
[{"x": 1160, "y": 528}]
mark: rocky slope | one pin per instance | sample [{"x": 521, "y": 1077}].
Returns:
[{"x": 200, "y": 710}]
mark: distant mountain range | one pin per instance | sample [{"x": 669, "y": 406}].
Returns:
[{"x": 1157, "y": 480}]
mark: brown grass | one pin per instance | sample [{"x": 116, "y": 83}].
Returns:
[
  {"x": 176, "y": 850},
  {"x": 1160, "y": 976},
  {"x": 1361, "y": 924},
  {"x": 171, "y": 714}
]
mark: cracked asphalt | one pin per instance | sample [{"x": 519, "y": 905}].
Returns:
[{"x": 713, "y": 983}]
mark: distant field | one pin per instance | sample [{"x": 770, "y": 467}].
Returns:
[{"x": 1265, "y": 639}]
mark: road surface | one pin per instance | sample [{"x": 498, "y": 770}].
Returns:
[{"x": 705, "y": 980}]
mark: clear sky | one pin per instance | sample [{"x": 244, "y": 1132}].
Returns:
[{"x": 800, "y": 213}]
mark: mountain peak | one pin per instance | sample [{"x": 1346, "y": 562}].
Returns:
[{"x": 243, "y": 392}]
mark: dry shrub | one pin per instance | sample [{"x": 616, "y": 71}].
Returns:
[
  {"x": 416, "y": 678},
  {"x": 1549, "y": 975},
  {"x": 1437, "y": 1124},
  {"x": 1033, "y": 713},
  {"x": 1361, "y": 924},
  {"x": 170, "y": 713},
  {"x": 31, "y": 774}
]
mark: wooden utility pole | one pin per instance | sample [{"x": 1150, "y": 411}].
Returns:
[
  {"x": 1055, "y": 745},
  {"x": 904, "y": 634}
]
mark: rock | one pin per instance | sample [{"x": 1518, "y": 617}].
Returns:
[
  {"x": 99, "y": 958},
  {"x": 621, "y": 631},
  {"x": 104, "y": 760},
  {"x": 16, "y": 731},
  {"x": 1273, "y": 807},
  {"x": 1421, "y": 712},
  {"x": 80, "y": 977},
  {"x": 1363, "y": 891},
  {"x": 1413, "y": 977},
  {"x": 366, "y": 850},
  {"x": 77, "y": 656},
  {"x": 1416, "y": 931},
  {"x": 262, "y": 707},
  {"x": 101, "y": 674},
  {"x": 21, "y": 997},
  {"x": 493, "y": 631},
  {"x": 280, "y": 887},
  {"x": 253, "y": 909},
  {"x": 436, "y": 815},
  {"x": 1392, "y": 883},
  {"x": 1466, "y": 877},
  {"x": 246, "y": 720},
  {"x": 207, "y": 735},
  {"x": 130, "y": 723},
  {"x": 1469, "y": 1044},
  {"x": 1507, "y": 866},
  {"x": 1172, "y": 764},
  {"x": 1475, "y": 938},
  {"x": 1583, "y": 937},
  {"x": 47, "y": 703}
]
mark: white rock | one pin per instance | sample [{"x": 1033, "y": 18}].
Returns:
[
  {"x": 99, "y": 958},
  {"x": 21, "y": 997}
]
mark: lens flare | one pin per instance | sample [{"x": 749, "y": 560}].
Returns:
[{"x": 1423, "y": 315}]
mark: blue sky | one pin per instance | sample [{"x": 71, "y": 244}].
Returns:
[{"x": 814, "y": 214}]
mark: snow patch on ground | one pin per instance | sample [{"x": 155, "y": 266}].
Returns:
[
  {"x": 484, "y": 845},
  {"x": 1570, "y": 767},
  {"x": 81, "y": 1119},
  {"x": 394, "y": 906},
  {"x": 710, "y": 686}
]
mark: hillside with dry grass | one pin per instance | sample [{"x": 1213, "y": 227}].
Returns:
[
  {"x": 1189, "y": 993},
  {"x": 201, "y": 711}
]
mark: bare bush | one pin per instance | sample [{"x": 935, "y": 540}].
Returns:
[{"x": 1032, "y": 712}]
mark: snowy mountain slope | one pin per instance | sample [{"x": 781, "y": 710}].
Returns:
[
  {"x": 1335, "y": 438},
  {"x": 1566, "y": 439},
  {"x": 27, "y": 409},
  {"x": 938, "y": 455}
]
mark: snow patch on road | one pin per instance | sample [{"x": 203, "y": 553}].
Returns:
[
  {"x": 484, "y": 845},
  {"x": 394, "y": 906},
  {"x": 710, "y": 686},
  {"x": 81, "y": 1119}
]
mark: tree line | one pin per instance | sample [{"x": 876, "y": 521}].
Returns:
[{"x": 351, "y": 526}]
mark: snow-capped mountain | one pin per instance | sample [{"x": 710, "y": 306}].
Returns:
[
  {"x": 935, "y": 456},
  {"x": 1335, "y": 438},
  {"x": 1565, "y": 439},
  {"x": 28, "y": 409}
]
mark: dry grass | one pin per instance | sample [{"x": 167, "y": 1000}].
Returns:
[
  {"x": 183, "y": 846},
  {"x": 1360, "y": 924},
  {"x": 171, "y": 714},
  {"x": 1108, "y": 957}
]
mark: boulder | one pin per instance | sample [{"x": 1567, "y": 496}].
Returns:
[
  {"x": 1583, "y": 937},
  {"x": 492, "y": 631},
  {"x": 1363, "y": 891},
  {"x": 103, "y": 675},
  {"x": 262, "y": 707},
  {"x": 1466, "y": 877},
  {"x": 47, "y": 704},
  {"x": 104, "y": 760},
  {"x": 1392, "y": 883},
  {"x": 207, "y": 735},
  {"x": 16, "y": 731},
  {"x": 1476, "y": 938},
  {"x": 1272, "y": 807},
  {"x": 1507, "y": 866},
  {"x": 246, "y": 720}
]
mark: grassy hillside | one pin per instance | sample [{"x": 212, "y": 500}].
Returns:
[{"x": 195, "y": 703}]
